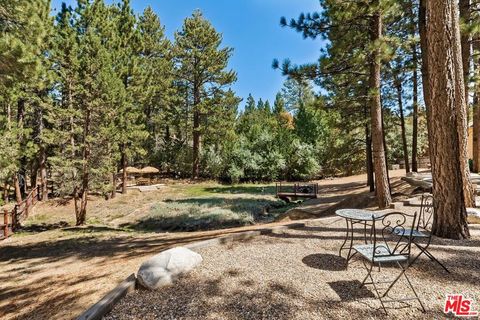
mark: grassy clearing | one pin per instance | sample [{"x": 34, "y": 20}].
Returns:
[
  {"x": 177, "y": 207},
  {"x": 207, "y": 213}
]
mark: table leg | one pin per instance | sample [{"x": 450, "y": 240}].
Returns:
[
  {"x": 346, "y": 239},
  {"x": 351, "y": 241},
  {"x": 365, "y": 231}
]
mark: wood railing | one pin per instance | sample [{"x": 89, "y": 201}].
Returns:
[{"x": 12, "y": 219}]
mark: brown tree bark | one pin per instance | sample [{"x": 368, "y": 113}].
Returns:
[
  {"x": 196, "y": 134},
  {"x": 464, "y": 6},
  {"x": 42, "y": 167},
  {"x": 16, "y": 185},
  {"x": 414, "y": 93},
  {"x": 369, "y": 159},
  {"x": 398, "y": 87},
  {"x": 6, "y": 189},
  {"x": 82, "y": 210},
  {"x": 382, "y": 186},
  {"x": 124, "y": 168},
  {"x": 114, "y": 185},
  {"x": 465, "y": 50},
  {"x": 33, "y": 174},
  {"x": 476, "y": 112},
  {"x": 447, "y": 118}
]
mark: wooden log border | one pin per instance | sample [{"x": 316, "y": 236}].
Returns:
[{"x": 106, "y": 304}]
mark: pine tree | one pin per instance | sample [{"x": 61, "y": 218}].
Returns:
[
  {"x": 126, "y": 44},
  {"x": 447, "y": 118},
  {"x": 296, "y": 92},
  {"x": 25, "y": 81},
  {"x": 260, "y": 104},
  {"x": 201, "y": 67},
  {"x": 267, "y": 108},
  {"x": 154, "y": 85},
  {"x": 342, "y": 70},
  {"x": 250, "y": 104},
  {"x": 279, "y": 104}
]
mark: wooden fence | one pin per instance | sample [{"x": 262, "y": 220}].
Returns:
[{"x": 12, "y": 219}]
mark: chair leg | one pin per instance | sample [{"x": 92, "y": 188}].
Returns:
[
  {"x": 369, "y": 271},
  {"x": 411, "y": 287},
  {"x": 369, "y": 275},
  {"x": 394, "y": 281},
  {"x": 429, "y": 255}
]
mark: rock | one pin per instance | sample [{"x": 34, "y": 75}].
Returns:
[
  {"x": 473, "y": 215},
  {"x": 163, "y": 268}
]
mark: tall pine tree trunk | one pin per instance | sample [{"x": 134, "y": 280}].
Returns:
[
  {"x": 33, "y": 173},
  {"x": 465, "y": 51},
  {"x": 447, "y": 118},
  {"x": 124, "y": 168},
  {"x": 42, "y": 167},
  {"x": 196, "y": 134},
  {"x": 464, "y": 6},
  {"x": 6, "y": 189},
  {"x": 18, "y": 191},
  {"x": 21, "y": 181},
  {"x": 476, "y": 111},
  {"x": 369, "y": 159},
  {"x": 398, "y": 87},
  {"x": 422, "y": 27},
  {"x": 82, "y": 211},
  {"x": 114, "y": 185},
  {"x": 382, "y": 185},
  {"x": 414, "y": 93}
]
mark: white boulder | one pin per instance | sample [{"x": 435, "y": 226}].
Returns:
[{"x": 163, "y": 268}]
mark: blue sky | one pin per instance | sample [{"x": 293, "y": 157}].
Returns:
[{"x": 252, "y": 28}]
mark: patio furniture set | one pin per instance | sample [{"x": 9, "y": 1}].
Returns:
[{"x": 387, "y": 240}]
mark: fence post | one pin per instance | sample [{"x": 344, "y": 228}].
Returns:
[{"x": 5, "y": 222}]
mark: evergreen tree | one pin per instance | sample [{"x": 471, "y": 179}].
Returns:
[
  {"x": 279, "y": 104},
  {"x": 260, "y": 104},
  {"x": 296, "y": 92},
  {"x": 154, "y": 85},
  {"x": 267, "y": 108},
  {"x": 130, "y": 130},
  {"x": 250, "y": 104},
  {"x": 447, "y": 117},
  {"x": 201, "y": 68}
]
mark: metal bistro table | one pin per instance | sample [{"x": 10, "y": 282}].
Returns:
[{"x": 353, "y": 217}]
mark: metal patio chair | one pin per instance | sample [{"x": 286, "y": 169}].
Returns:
[
  {"x": 423, "y": 229},
  {"x": 391, "y": 245}
]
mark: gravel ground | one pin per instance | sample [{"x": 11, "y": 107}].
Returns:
[{"x": 297, "y": 274}]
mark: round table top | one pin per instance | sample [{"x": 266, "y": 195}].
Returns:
[{"x": 357, "y": 214}]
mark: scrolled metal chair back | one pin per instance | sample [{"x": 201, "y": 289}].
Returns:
[
  {"x": 391, "y": 236},
  {"x": 425, "y": 218}
]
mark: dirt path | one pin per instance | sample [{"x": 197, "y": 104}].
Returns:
[{"x": 57, "y": 274}]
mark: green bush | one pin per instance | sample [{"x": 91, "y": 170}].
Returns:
[{"x": 302, "y": 163}]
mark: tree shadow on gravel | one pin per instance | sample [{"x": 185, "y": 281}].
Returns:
[
  {"x": 192, "y": 298},
  {"x": 351, "y": 290},
  {"x": 34, "y": 285},
  {"x": 325, "y": 261},
  {"x": 225, "y": 297}
]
